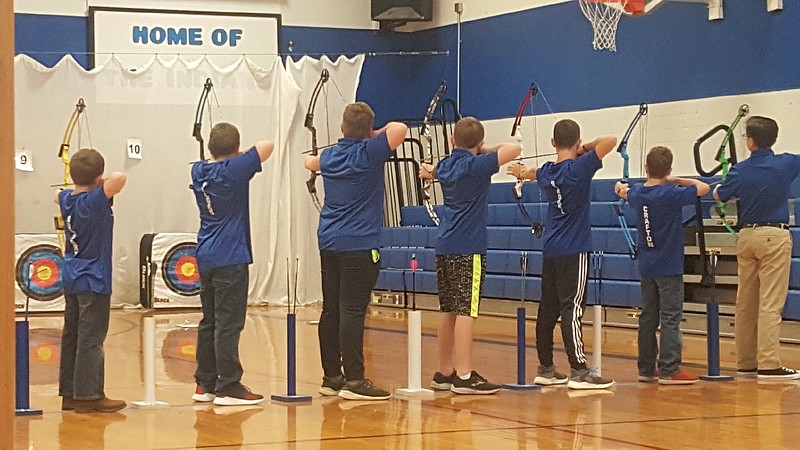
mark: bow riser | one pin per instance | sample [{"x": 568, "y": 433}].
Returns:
[
  {"x": 63, "y": 153},
  {"x": 537, "y": 228},
  {"x": 197, "y": 128},
  {"x": 425, "y": 132},
  {"x": 622, "y": 149},
  {"x": 311, "y": 183}
]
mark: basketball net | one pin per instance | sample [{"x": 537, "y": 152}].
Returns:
[{"x": 604, "y": 16}]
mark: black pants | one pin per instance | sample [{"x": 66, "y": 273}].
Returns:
[
  {"x": 564, "y": 283},
  {"x": 347, "y": 282},
  {"x": 81, "y": 374},
  {"x": 223, "y": 296}
]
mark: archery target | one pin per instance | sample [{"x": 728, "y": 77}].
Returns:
[
  {"x": 169, "y": 274},
  {"x": 180, "y": 270},
  {"x": 38, "y": 273}
]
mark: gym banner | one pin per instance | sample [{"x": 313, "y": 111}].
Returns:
[{"x": 135, "y": 35}]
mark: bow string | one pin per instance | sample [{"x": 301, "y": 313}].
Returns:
[
  {"x": 311, "y": 183},
  {"x": 537, "y": 228},
  {"x": 425, "y": 132},
  {"x": 63, "y": 154},
  {"x": 622, "y": 149},
  {"x": 197, "y": 130}
]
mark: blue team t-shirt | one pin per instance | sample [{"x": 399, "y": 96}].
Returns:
[
  {"x": 567, "y": 188},
  {"x": 465, "y": 180},
  {"x": 89, "y": 230},
  {"x": 352, "y": 173},
  {"x": 660, "y": 226},
  {"x": 761, "y": 183},
  {"x": 222, "y": 191}
]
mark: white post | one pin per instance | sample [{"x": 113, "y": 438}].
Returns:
[
  {"x": 774, "y": 5},
  {"x": 149, "y": 366},
  {"x": 597, "y": 327},
  {"x": 415, "y": 357},
  {"x": 459, "y": 8}
]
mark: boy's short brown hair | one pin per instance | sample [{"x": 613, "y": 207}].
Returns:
[
  {"x": 223, "y": 140},
  {"x": 659, "y": 162},
  {"x": 468, "y": 132},
  {"x": 762, "y": 130},
  {"x": 85, "y": 166},
  {"x": 358, "y": 120},
  {"x": 566, "y": 133}
]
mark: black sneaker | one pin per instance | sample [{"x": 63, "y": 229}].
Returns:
[
  {"x": 442, "y": 382},
  {"x": 238, "y": 395},
  {"x": 549, "y": 376},
  {"x": 779, "y": 373},
  {"x": 332, "y": 386},
  {"x": 362, "y": 390},
  {"x": 588, "y": 379},
  {"x": 747, "y": 373},
  {"x": 475, "y": 384}
]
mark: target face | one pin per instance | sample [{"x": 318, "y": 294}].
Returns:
[
  {"x": 39, "y": 272},
  {"x": 180, "y": 270}
]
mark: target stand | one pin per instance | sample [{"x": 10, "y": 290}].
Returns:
[
  {"x": 149, "y": 363},
  {"x": 414, "y": 388},
  {"x": 712, "y": 323},
  {"x": 23, "y": 374},
  {"x": 520, "y": 385},
  {"x": 291, "y": 395}
]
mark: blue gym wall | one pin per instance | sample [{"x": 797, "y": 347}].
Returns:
[{"x": 674, "y": 54}]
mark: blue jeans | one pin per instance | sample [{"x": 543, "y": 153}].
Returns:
[
  {"x": 81, "y": 374},
  {"x": 662, "y": 302},
  {"x": 223, "y": 296}
]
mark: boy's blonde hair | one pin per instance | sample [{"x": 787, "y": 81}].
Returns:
[{"x": 468, "y": 132}]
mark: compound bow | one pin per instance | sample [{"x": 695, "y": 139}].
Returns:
[
  {"x": 311, "y": 183},
  {"x": 63, "y": 153},
  {"x": 425, "y": 132},
  {"x": 725, "y": 161},
  {"x": 622, "y": 149},
  {"x": 197, "y": 131},
  {"x": 537, "y": 228}
]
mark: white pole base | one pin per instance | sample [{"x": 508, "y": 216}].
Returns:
[
  {"x": 154, "y": 405},
  {"x": 418, "y": 393},
  {"x": 597, "y": 327}
]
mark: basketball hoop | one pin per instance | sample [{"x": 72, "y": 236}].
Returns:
[{"x": 604, "y": 16}]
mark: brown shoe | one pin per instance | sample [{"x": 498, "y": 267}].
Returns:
[
  {"x": 101, "y": 405},
  {"x": 67, "y": 404}
]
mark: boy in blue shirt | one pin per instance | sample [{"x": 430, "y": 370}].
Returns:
[
  {"x": 764, "y": 249},
  {"x": 465, "y": 177},
  {"x": 658, "y": 204},
  {"x": 221, "y": 187},
  {"x": 349, "y": 237},
  {"x": 566, "y": 184},
  {"x": 88, "y": 232}
]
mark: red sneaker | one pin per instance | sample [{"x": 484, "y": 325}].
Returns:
[
  {"x": 202, "y": 396},
  {"x": 679, "y": 378}
]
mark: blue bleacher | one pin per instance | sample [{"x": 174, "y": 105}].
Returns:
[{"x": 509, "y": 234}]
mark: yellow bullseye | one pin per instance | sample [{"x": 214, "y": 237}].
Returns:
[{"x": 188, "y": 270}]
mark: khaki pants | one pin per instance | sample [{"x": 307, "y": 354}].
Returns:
[{"x": 764, "y": 257}]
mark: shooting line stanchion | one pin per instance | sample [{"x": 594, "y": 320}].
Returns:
[
  {"x": 149, "y": 364},
  {"x": 23, "y": 374},
  {"x": 597, "y": 308},
  {"x": 712, "y": 322},
  {"x": 520, "y": 385},
  {"x": 291, "y": 340},
  {"x": 414, "y": 388}
]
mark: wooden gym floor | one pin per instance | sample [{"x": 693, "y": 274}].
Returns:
[{"x": 740, "y": 414}]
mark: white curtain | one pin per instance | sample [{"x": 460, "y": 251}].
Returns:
[{"x": 156, "y": 104}]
